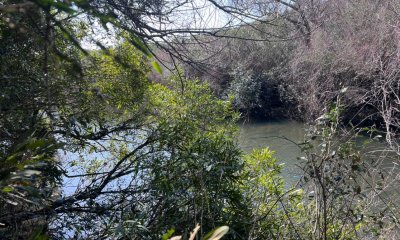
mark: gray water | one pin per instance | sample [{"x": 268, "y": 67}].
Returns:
[{"x": 280, "y": 137}]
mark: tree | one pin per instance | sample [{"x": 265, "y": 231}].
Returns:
[
  {"x": 141, "y": 157},
  {"x": 138, "y": 143},
  {"x": 176, "y": 168},
  {"x": 99, "y": 105}
]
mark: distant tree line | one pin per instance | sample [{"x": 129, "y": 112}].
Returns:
[{"x": 306, "y": 53}]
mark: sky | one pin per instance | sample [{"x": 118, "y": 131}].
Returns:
[{"x": 190, "y": 14}]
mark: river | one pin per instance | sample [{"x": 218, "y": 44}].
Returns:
[{"x": 279, "y": 136}]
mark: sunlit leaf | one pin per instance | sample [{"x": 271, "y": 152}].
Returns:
[
  {"x": 138, "y": 43},
  {"x": 8, "y": 189},
  {"x": 217, "y": 233},
  {"x": 156, "y": 67},
  {"x": 168, "y": 234}
]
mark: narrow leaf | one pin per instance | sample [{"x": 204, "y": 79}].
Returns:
[{"x": 156, "y": 67}]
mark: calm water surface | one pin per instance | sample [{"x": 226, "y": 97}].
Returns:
[{"x": 280, "y": 137}]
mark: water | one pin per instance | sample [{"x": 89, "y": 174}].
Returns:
[{"x": 280, "y": 137}]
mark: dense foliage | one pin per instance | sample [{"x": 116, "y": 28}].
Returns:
[
  {"x": 141, "y": 158},
  {"x": 92, "y": 148},
  {"x": 311, "y": 51}
]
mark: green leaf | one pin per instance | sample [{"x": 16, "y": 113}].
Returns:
[
  {"x": 168, "y": 234},
  {"x": 12, "y": 157},
  {"x": 8, "y": 189},
  {"x": 217, "y": 233},
  {"x": 138, "y": 43},
  {"x": 39, "y": 234},
  {"x": 156, "y": 67}
]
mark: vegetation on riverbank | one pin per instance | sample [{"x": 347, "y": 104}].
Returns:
[
  {"x": 91, "y": 147},
  {"x": 352, "y": 45}
]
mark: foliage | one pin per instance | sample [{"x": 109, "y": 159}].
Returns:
[
  {"x": 345, "y": 182},
  {"x": 145, "y": 157},
  {"x": 190, "y": 171},
  {"x": 29, "y": 172},
  {"x": 246, "y": 89},
  {"x": 311, "y": 50},
  {"x": 215, "y": 234},
  {"x": 251, "y": 71},
  {"x": 274, "y": 208},
  {"x": 140, "y": 158}
]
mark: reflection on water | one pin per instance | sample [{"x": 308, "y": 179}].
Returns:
[{"x": 280, "y": 137}]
